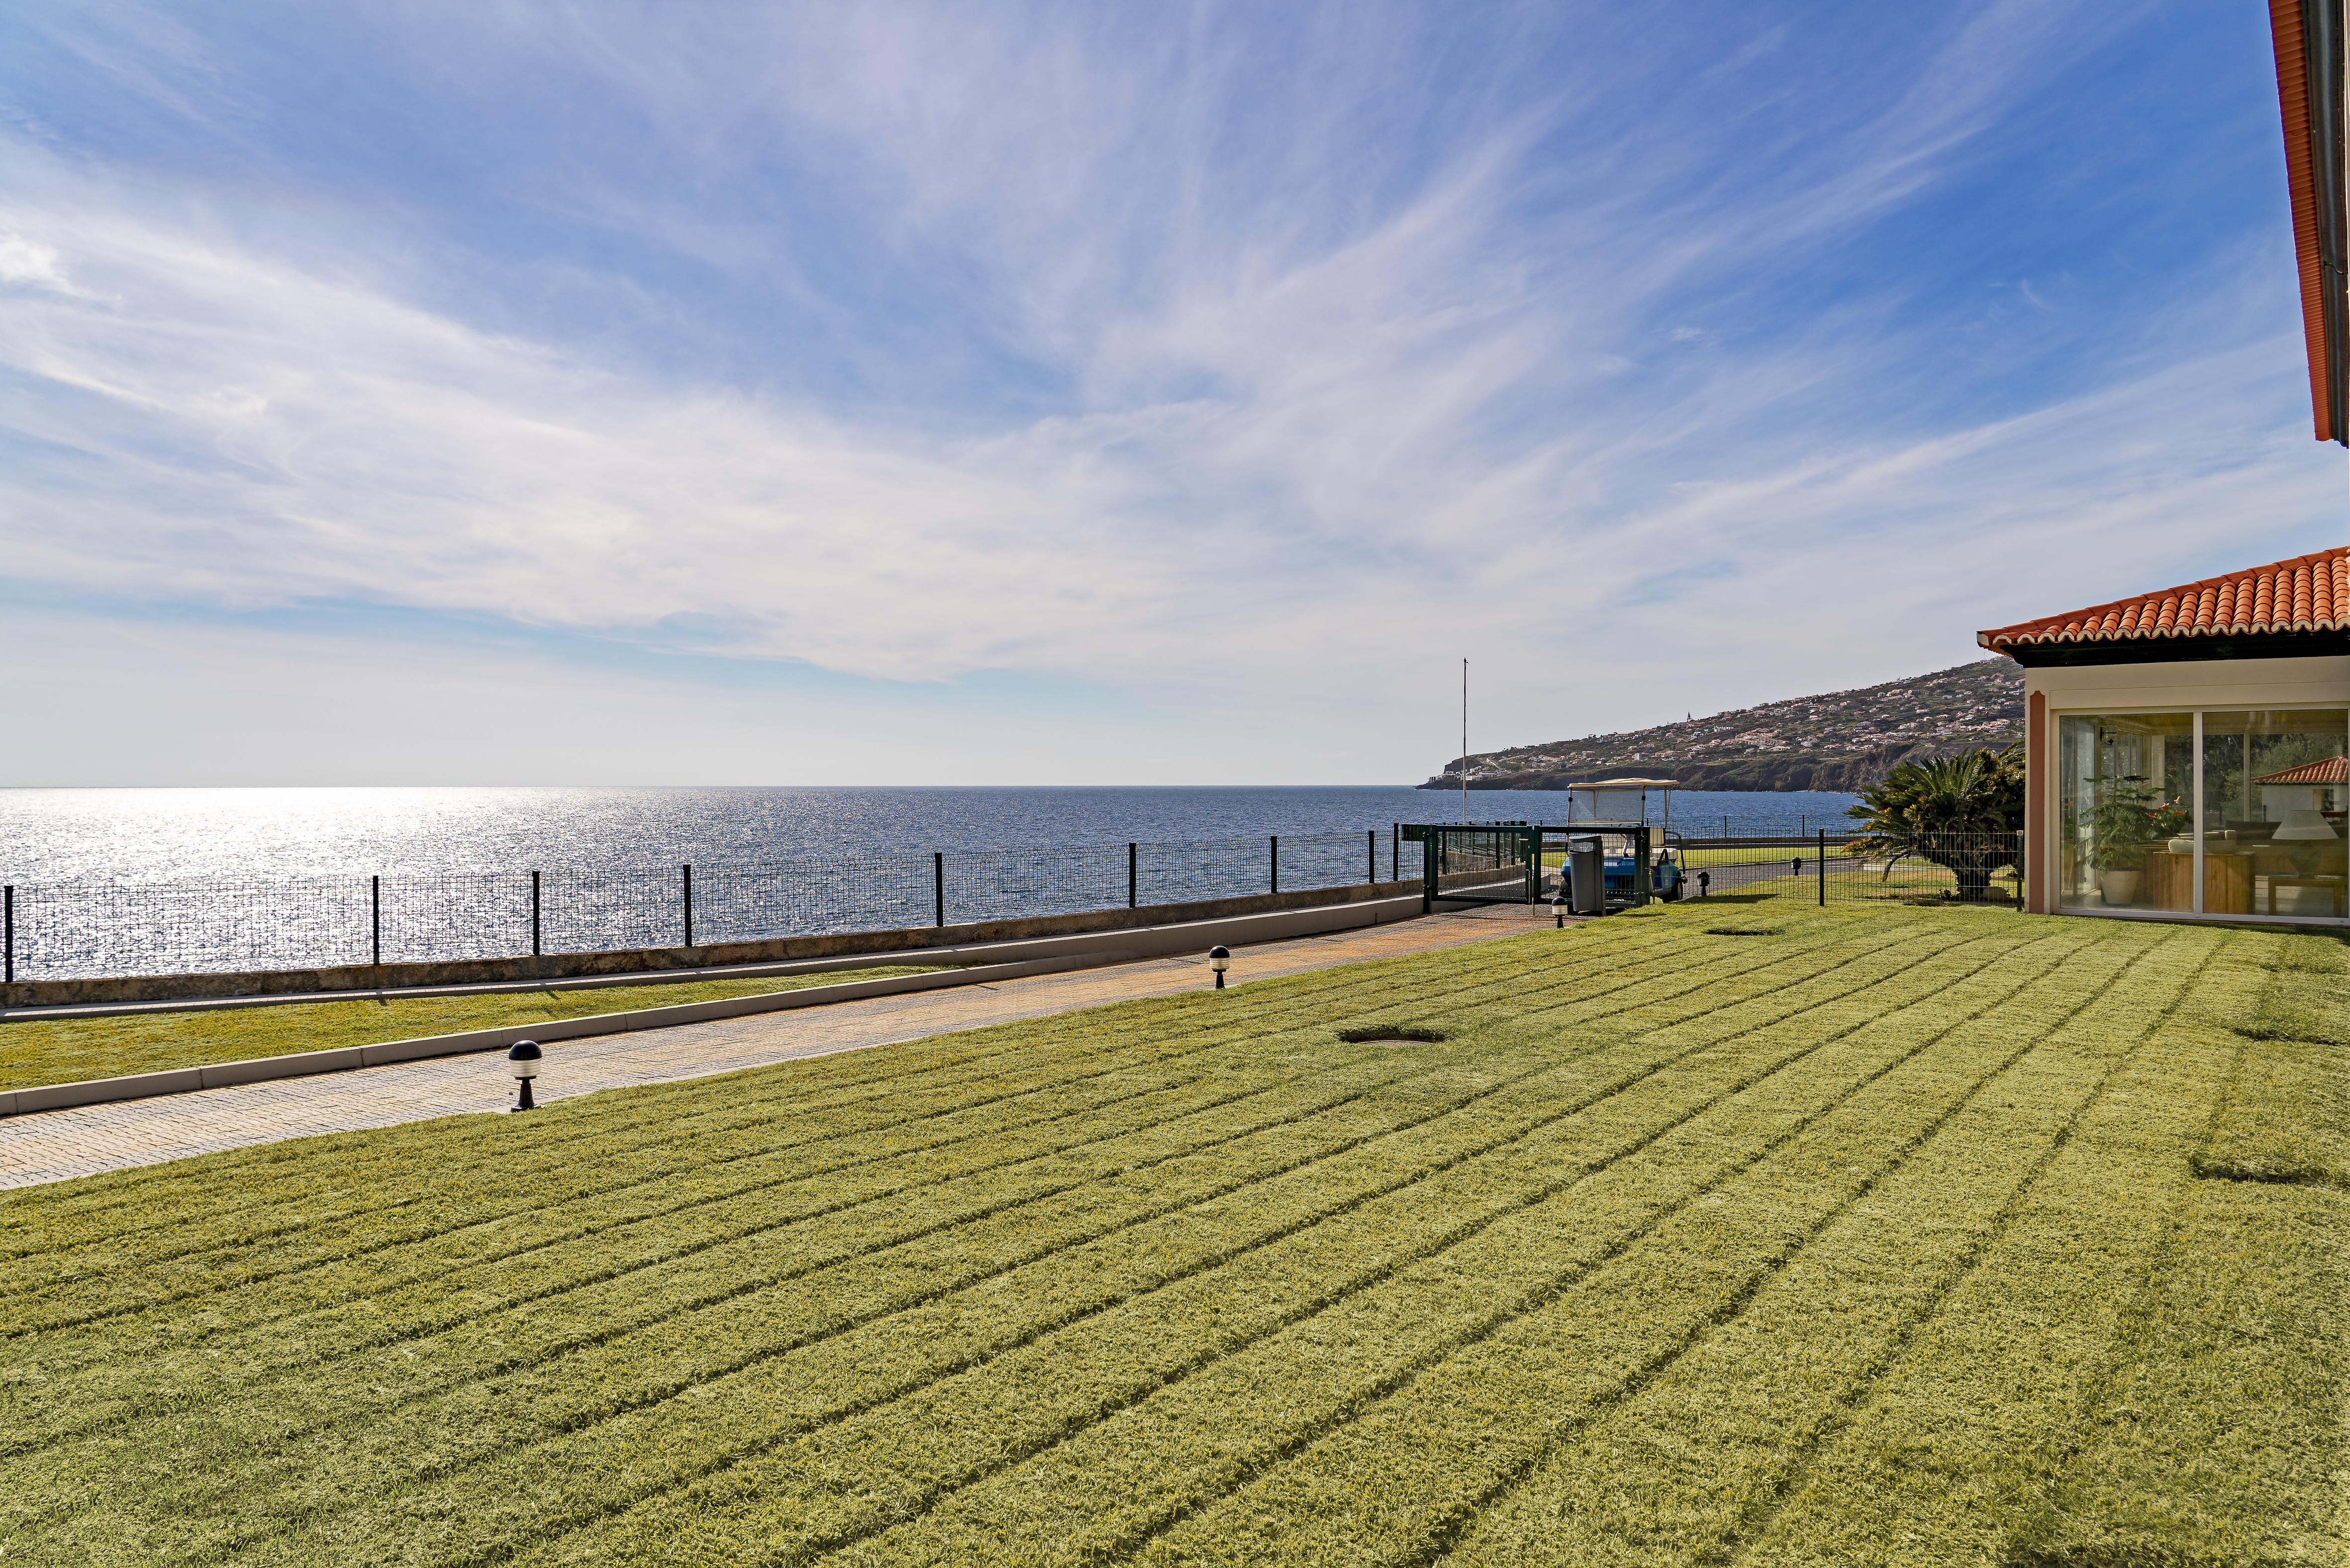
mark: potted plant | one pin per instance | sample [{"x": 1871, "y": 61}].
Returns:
[{"x": 2132, "y": 817}]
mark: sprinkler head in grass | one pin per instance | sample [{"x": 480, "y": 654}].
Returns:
[
  {"x": 524, "y": 1060},
  {"x": 1220, "y": 959}
]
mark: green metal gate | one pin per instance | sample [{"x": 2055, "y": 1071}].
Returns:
[
  {"x": 1504, "y": 862},
  {"x": 1486, "y": 864}
]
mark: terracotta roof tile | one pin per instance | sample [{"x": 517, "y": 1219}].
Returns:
[
  {"x": 2300, "y": 181},
  {"x": 2308, "y": 593},
  {"x": 2325, "y": 771}
]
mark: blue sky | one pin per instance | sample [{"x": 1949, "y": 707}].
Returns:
[{"x": 880, "y": 393}]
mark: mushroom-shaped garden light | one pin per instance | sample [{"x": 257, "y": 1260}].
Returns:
[
  {"x": 1220, "y": 959},
  {"x": 524, "y": 1060}
]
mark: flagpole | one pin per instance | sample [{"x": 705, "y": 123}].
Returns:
[{"x": 1464, "y": 743}]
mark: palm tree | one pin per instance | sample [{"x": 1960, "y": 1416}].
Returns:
[{"x": 1964, "y": 812}]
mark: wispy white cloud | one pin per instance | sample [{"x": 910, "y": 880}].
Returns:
[
  {"x": 1279, "y": 399},
  {"x": 23, "y": 262}
]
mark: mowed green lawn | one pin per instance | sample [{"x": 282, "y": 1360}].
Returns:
[
  {"x": 68, "y": 1050},
  {"x": 1705, "y": 859},
  {"x": 1874, "y": 1236},
  {"x": 1766, "y": 855}
]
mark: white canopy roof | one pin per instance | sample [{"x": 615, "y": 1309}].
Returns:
[{"x": 1622, "y": 800}]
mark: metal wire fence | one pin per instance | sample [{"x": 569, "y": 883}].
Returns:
[
  {"x": 102, "y": 930},
  {"x": 1926, "y": 868}
]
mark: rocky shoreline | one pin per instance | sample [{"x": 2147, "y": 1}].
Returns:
[{"x": 1843, "y": 741}]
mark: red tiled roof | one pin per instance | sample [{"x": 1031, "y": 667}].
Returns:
[
  {"x": 2300, "y": 180},
  {"x": 2308, "y": 593},
  {"x": 2325, "y": 771}
]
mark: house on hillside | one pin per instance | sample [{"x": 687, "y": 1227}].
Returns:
[{"x": 2188, "y": 751}]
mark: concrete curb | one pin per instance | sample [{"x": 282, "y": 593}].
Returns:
[
  {"x": 643, "y": 963},
  {"x": 1005, "y": 953},
  {"x": 303, "y": 1064},
  {"x": 1087, "y": 951}
]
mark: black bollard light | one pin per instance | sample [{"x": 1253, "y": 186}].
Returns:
[
  {"x": 524, "y": 1060},
  {"x": 1704, "y": 881},
  {"x": 1798, "y": 866},
  {"x": 1558, "y": 906},
  {"x": 1220, "y": 959}
]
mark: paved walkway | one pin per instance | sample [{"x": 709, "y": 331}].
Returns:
[{"x": 55, "y": 1146}]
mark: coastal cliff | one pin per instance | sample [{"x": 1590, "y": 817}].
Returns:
[{"x": 1838, "y": 741}]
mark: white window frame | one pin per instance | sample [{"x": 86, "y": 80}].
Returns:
[{"x": 2052, "y": 802}]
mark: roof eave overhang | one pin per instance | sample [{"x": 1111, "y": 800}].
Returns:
[
  {"x": 2304, "y": 642},
  {"x": 2000, "y": 642},
  {"x": 2309, "y": 36}
]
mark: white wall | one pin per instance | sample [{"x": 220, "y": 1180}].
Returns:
[{"x": 2193, "y": 683}]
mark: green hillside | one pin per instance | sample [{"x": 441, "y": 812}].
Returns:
[{"x": 1842, "y": 739}]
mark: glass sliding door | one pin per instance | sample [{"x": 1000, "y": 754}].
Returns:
[
  {"x": 2227, "y": 812},
  {"x": 2273, "y": 799},
  {"x": 2125, "y": 812}
]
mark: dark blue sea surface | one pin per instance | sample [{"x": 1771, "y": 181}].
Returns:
[
  {"x": 122, "y": 882},
  {"x": 181, "y": 834}
]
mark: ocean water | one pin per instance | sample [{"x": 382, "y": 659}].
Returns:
[
  {"x": 174, "y": 835},
  {"x": 127, "y": 882}
]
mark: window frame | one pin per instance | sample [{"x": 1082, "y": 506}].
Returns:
[{"x": 2052, "y": 801}]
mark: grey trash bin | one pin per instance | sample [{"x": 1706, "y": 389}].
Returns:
[{"x": 1586, "y": 870}]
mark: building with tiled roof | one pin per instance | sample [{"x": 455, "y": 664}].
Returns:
[
  {"x": 2329, "y": 771},
  {"x": 2302, "y": 604},
  {"x": 2187, "y": 752},
  {"x": 2310, "y": 37}
]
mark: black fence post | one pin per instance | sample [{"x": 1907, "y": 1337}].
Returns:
[
  {"x": 9, "y": 930},
  {"x": 534, "y": 914},
  {"x": 1824, "y": 868},
  {"x": 687, "y": 876},
  {"x": 939, "y": 883},
  {"x": 375, "y": 919},
  {"x": 1130, "y": 878},
  {"x": 1371, "y": 855},
  {"x": 1395, "y": 851},
  {"x": 1276, "y": 863}
]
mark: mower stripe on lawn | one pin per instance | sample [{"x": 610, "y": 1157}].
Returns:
[
  {"x": 1413, "y": 1459},
  {"x": 1766, "y": 1388},
  {"x": 1183, "y": 1345}
]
